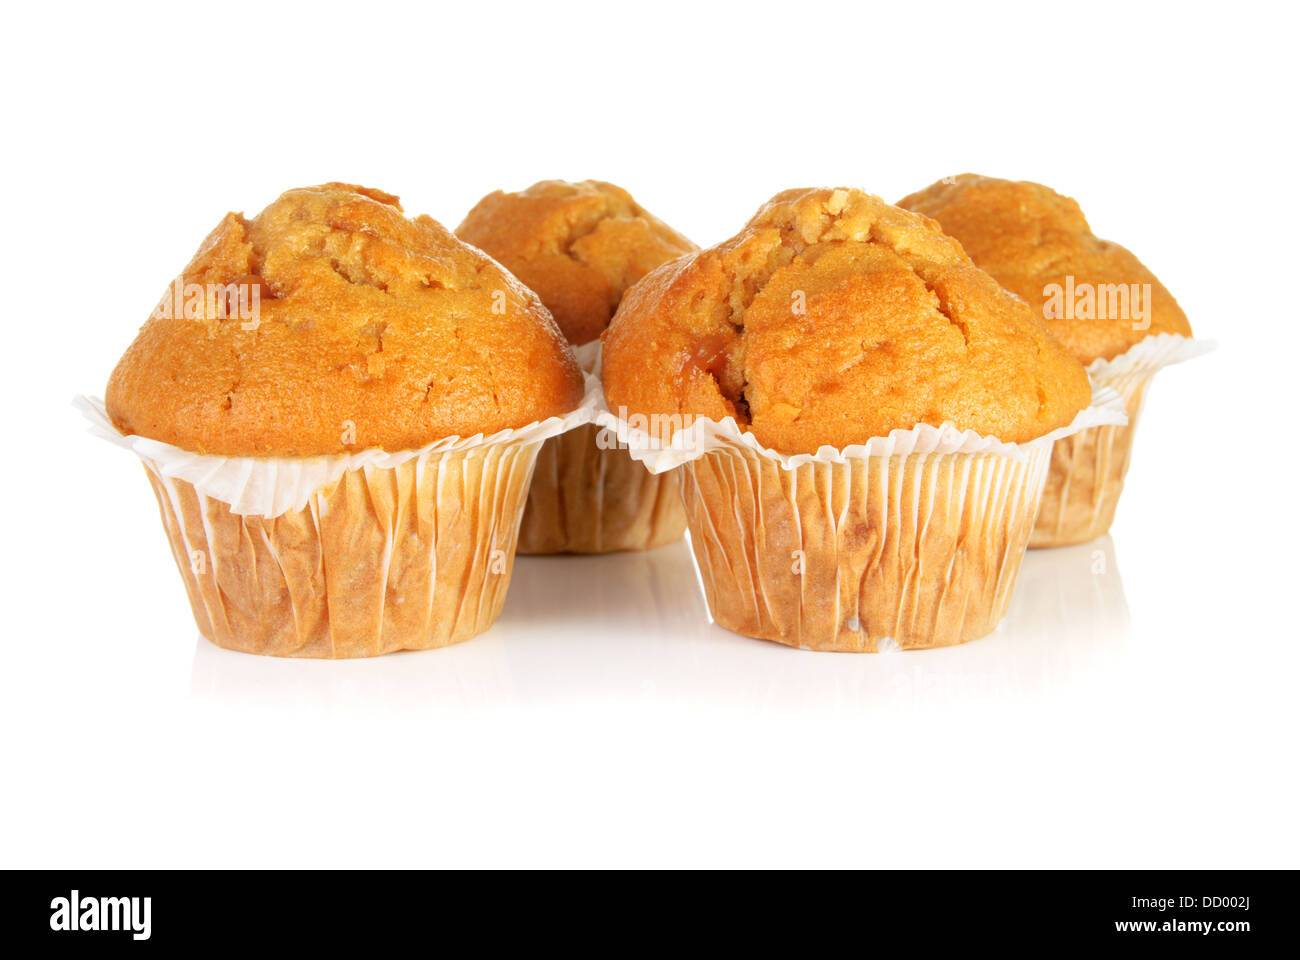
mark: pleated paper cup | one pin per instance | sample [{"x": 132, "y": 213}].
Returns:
[
  {"x": 1087, "y": 471},
  {"x": 908, "y": 541},
  {"x": 345, "y": 556},
  {"x": 588, "y": 496},
  {"x": 588, "y": 499}
]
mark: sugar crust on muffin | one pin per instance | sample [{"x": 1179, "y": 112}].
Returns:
[
  {"x": 831, "y": 318},
  {"x": 1028, "y": 237},
  {"x": 374, "y": 330},
  {"x": 579, "y": 245}
]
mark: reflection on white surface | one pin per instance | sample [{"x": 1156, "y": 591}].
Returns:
[{"x": 634, "y": 627}]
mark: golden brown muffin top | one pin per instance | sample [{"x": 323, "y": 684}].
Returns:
[
  {"x": 1029, "y": 237},
  {"x": 374, "y": 330},
  {"x": 831, "y": 318},
  {"x": 579, "y": 245}
]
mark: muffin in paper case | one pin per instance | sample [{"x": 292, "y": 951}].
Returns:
[
  {"x": 346, "y": 556},
  {"x": 907, "y": 541}
]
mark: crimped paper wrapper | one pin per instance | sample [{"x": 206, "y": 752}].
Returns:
[
  {"x": 911, "y": 540},
  {"x": 585, "y": 498},
  {"x": 1088, "y": 468},
  {"x": 346, "y": 556}
]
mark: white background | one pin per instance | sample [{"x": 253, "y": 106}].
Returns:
[{"x": 1141, "y": 716}]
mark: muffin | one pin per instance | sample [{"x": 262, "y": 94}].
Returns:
[
  {"x": 1098, "y": 299},
  {"x": 863, "y": 415},
  {"x": 383, "y": 352},
  {"x": 580, "y": 246}
]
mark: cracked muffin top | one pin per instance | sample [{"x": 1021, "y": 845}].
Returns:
[
  {"x": 579, "y": 245},
  {"x": 831, "y": 318},
  {"x": 1030, "y": 237},
  {"x": 363, "y": 329}
]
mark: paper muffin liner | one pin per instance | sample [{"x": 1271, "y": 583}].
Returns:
[
  {"x": 589, "y": 497},
  {"x": 1087, "y": 471},
  {"x": 910, "y": 540},
  {"x": 346, "y": 556},
  {"x": 586, "y": 499}
]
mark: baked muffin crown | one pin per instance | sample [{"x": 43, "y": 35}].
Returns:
[
  {"x": 831, "y": 318},
  {"x": 1029, "y": 237},
  {"x": 579, "y": 245},
  {"x": 371, "y": 330}
]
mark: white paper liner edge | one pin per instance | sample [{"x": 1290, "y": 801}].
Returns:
[
  {"x": 1151, "y": 353},
  {"x": 589, "y": 355},
  {"x": 270, "y": 486},
  {"x": 705, "y": 435}
]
